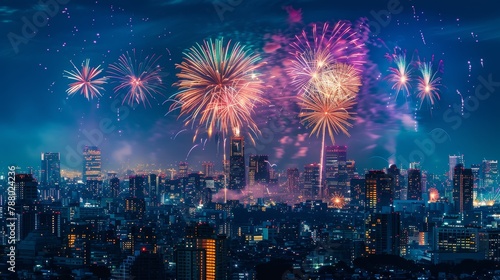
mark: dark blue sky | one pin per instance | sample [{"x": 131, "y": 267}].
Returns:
[{"x": 37, "y": 116}]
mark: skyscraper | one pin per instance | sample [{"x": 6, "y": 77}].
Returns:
[
  {"x": 237, "y": 179},
  {"x": 50, "y": 170},
  {"x": 383, "y": 234},
  {"x": 463, "y": 184},
  {"x": 208, "y": 168},
  {"x": 311, "y": 181},
  {"x": 453, "y": 161},
  {"x": 205, "y": 255},
  {"x": 414, "y": 184},
  {"x": 395, "y": 173},
  {"x": 183, "y": 170},
  {"x": 258, "y": 170},
  {"x": 489, "y": 174},
  {"x": 114, "y": 185},
  {"x": 137, "y": 185},
  {"x": 379, "y": 195},
  {"x": 26, "y": 188},
  {"x": 91, "y": 164},
  {"x": 336, "y": 169}
]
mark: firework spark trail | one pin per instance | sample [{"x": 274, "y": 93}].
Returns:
[
  {"x": 461, "y": 102},
  {"x": 400, "y": 75},
  {"x": 140, "y": 80},
  {"x": 182, "y": 130},
  {"x": 86, "y": 81},
  {"x": 190, "y": 150},
  {"x": 427, "y": 84},
  {"x": 219, "y": 87}
]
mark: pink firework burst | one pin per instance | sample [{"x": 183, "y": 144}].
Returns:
[
  {"x": 139, "y": 79},
  {"x": 85, "y": 80},
  {"x": 317, "y": 50}
]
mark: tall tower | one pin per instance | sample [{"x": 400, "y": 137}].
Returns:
[
  {"x": 463, "y": 184},
  {"x": 379, "y": 195},
  {"x": 489, "y": 174},
  {"x": 258, "y": 170},
  {"x": 137, "y": 185},
  {"x": 396, "y": 180},
  {"x": 414, "y": 184},
  {"x": 336, "y": 169},
  {"x": 91, "y": 164},
  {"x": 311, "y": 181},
  {"x": 237, "y": 179},
  {"x": 453, "y": 161},
  {"x": 50, "y": 169},
  {"x": 114, "y": 185}
]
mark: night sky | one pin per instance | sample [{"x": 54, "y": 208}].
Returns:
[{"x": 38, "y": 116}]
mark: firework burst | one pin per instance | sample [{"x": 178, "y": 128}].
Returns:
[
  {"x": 341, "y": 82},
  {"x": 325, "y": 114},
  {"x": 139, "y": 79},
  {"x": 219, "y": 87},
  {"x": 86, "y": 80},
  {"x": 400, "y": 75},
  {"x": 338, "y": 201},
  {"x": 427, "y": 88},
  {"x": 318, "y": 50}
]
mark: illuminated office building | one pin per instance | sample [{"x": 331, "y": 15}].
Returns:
[
  {"x": 50, "y": 170},
  {"x": 414, "y": 184},
  {"x": 336, "y": 176},
  {"x": 463, "y": 184},
  {"x": 378, "y": 194},
  {"x": 237, "y": 179},
  {"x": 91, "y": 164},
  {"x": 258, "y": 170}
]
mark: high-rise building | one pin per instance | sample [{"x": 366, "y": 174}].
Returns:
[
  {"x": 237, "y": 179},
  {"x": 358, "y": 195},
  {"x": 336, "y": 170},
  {"x": 379, "y": 195},
  {"x": 258, "y": 170},
  {"x": 397, "y": 178},
  {"x": 293, "y": 176},
  {"x": 114, "y": 185},
  {"x": 26, "y": 188},
  {"x": 183, "y": 170},
  {"x": 152, "y": 186},
  {"x": 137, "y": 185},
  {"x": 463, "y": 184},
  {"x": 208, "y": 168},
  {"x": 453, "y": 160},
  {"x": 91, "y": 164},
  {"x": 489, "y": 174},
  {"x": 50, "y": 170},
  {"x": 383, "y": 234},
  {"x": 312, "y": 185},
  {"x": 476, "y": 171},
  {"x": 205, "y": 255},
  {"x": 414, "y": 184}
]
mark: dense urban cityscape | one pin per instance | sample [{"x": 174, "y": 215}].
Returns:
[
  {"x": 183, "y": 224},
  {"x": 249, "y": 140}
]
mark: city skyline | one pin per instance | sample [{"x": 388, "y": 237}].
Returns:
[{"x": 143, "y": 135}]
